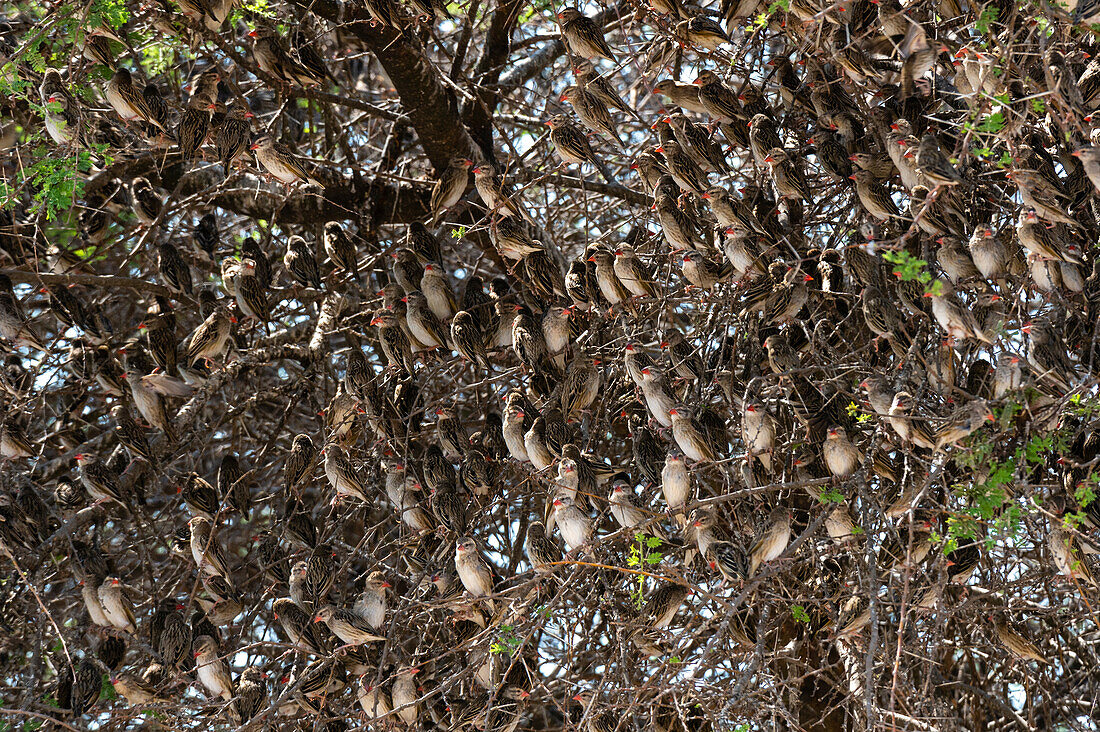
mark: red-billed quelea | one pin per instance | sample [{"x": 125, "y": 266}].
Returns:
[
  {"x": 574, "y": 525},
  {"x": 658, "y": 398},
  {"x": 371, "y": 603},
  {"x": 473, "y": 571},
  {"x": 211, "y": 669},
  {"x": 772, "y": 539},
  {"x": 117, "y": 608},
  {"x": 347, "y": 625},
  {"x": 842, "y": 458},
  {"x": 582, "y": 36}
]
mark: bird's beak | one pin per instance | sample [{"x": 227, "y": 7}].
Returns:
[
  {"x": 254, "y": 146},
  {"x": 253, "y": 34}
]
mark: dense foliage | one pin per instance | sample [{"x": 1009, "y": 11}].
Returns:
[{"x": 653, "y": 366}]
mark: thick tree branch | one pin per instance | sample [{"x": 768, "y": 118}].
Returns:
[{"x": 430, "y": 106}]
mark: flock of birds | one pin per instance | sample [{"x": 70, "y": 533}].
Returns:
[{"x": 828, "y": 387}]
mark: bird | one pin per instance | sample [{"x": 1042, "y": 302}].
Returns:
[
  {"x": 572, "y": 146},
  {"x": 574, "y": 525},
  {"x": 371, "y": 603},
  {"x": 271, "y": 55},
  {"x": 772, "y": 539},
  {"x": 541, "y": 551},
  {"x": 301, "y": 264},
  {"x": 211, "y": 669},
  {"x": 117, "y": 608},
  {"x": 628, "y": 510},
  {"x": 232, "y": 138},
  {"x": 758, "y": 433},
  {"x": 129, "y": 102},
  {"x": 1014, "y": 641},
  {"x": 582, "y": 37},
  {"x": 473, "y": 571},
  {"x": 591, "y": 112},
  {"x": 342, "y": 475},
  {"x": 281, "y": 163},
  {"x": 690, "y": 435},
  {"x": 841, "y": 456},
  {"x": 299, "y": 462},
  {"x": 205, "y": 549},
  {"x": 340, "y": 249},
  {"x": 450, "y": 187},
  {"x": 211, "y": 339},
  {"x": 347, "y": 625}
]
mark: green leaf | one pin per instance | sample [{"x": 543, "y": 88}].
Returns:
[
  {"x": 994, "y": 123},
  {"x": 798, "y": 612},
  {"x": 654, "y": 558},
  {"x": 653, "y": 542},
  {"x": 988, "y": 16}
]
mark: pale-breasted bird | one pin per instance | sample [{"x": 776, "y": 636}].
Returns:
[
  {"x": 842, "y": 458},
  {"x": 211, "y": 669},
  {"x": 473, "y": 571},
  {"x": 117, "y": 608},
  {"x": 772, "y": 539},
  {"x": 451, "y": 185},
  {"x": 128, "y": 101},
  {"x": 278, "y": 160}
]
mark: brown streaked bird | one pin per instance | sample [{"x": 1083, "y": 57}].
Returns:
[
  {"x": 842, "y": 458},
  {"x": 300, "y": 263},
  {"x": 299, "y": 462},
  {"x": 146, "y": 202},
  {"x": 473, "y": 571},
  {"x": 933, "y": 163},
  {"x": 211, "y": 669},
  {"x": 572, "y": 146},
  {"x": 270, "y": 53},
  {"x": 874, "y": 196},
  {"x": 772, "y": 539},
  {"x": 341, "y": 250},
  {"x": 128, "y": 102},
  {"x": 233, "y": 136},
  {"x": 582, "y": 36},
  {"x": 910, "y": 429},
  {"x": 347, "y": 625},
  {"x": 585, "y": 73},
  {"x": 497, "y": 197},
  {"x": 205, "y": 549},
  {"x": 1014, "y": 640},
  {"x": 448, "y": 190},
  {"x": 592, "y": 112},
  {"x": 542, "y": 552},
  {"x": 701, "y": 30},
  {"x": 281, "y": 163},
  {"x": 690, "y": 435},
  {"x": 633, "y": 274},
  {"x": 194, "y": 126},
  {"x": 702, "y": 272},
  {"x": 679, "y": 94},
  {"x": 699, "y": 143},
  {"x": 787, "y": 176},
  {"x": 117, "y": 608},
  {"x": 251, "y": 295},
  {"x": 717, "y": 99},
  {"x": 688, "y": 176},
  {"x": 966, "y": 420}
]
